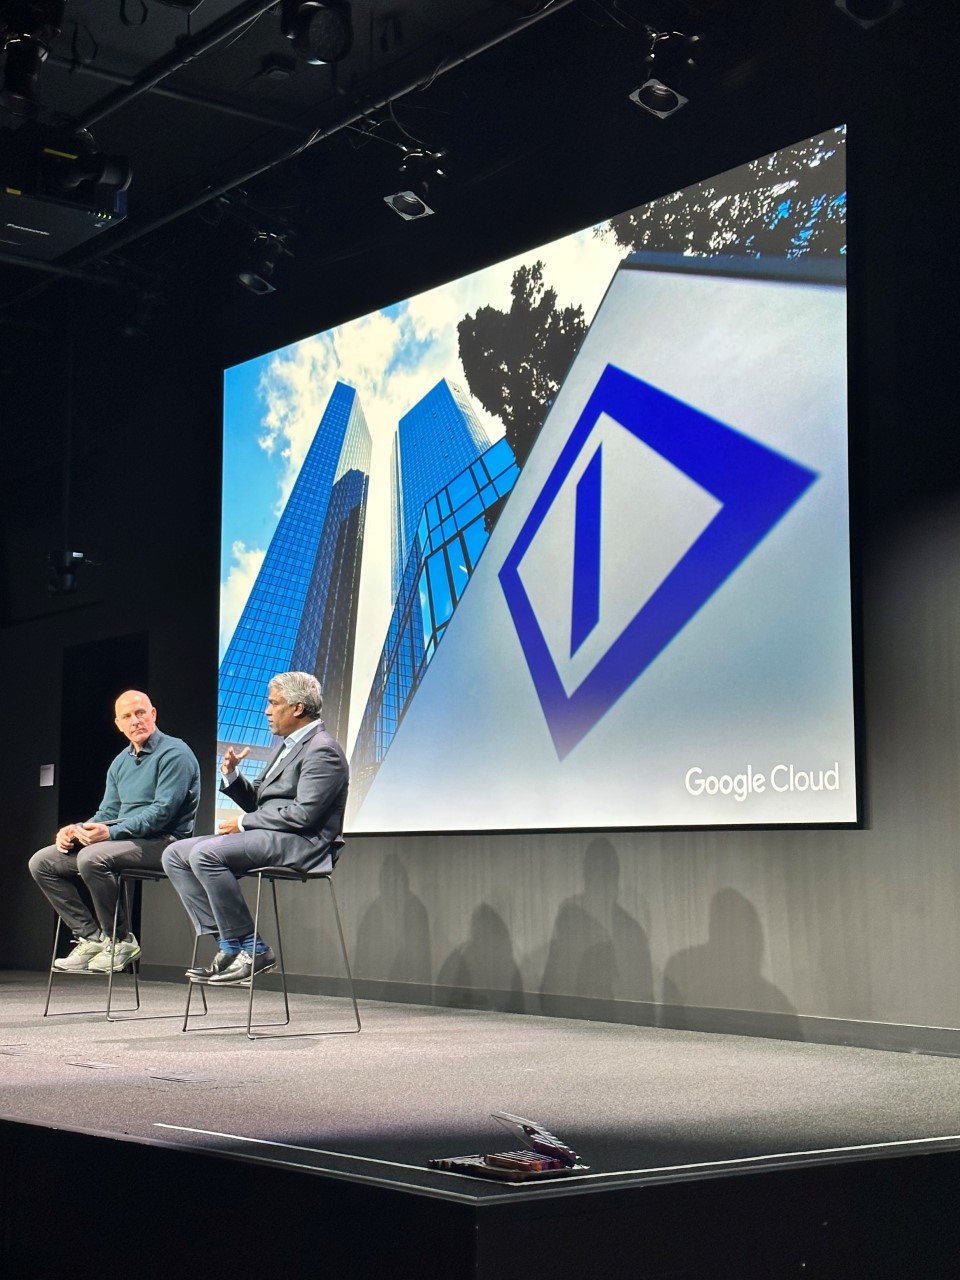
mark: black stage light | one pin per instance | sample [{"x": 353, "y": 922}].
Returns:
[
  {"x": 63, "y": 568},
  {"x": 420, "y": 166},
  {"x": 320, "y": 32},
  {"x": 268, "y": 249},
  {"x": 408, "y": 205},
  {"x": 20, "y": 76},
  {"x": 867, "y": 13},
  {"x": 27, "y": 30},
  {"x": 658, "y": 98}
]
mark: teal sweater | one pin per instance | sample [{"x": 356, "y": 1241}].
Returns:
[{"x": 153, "y": 794}]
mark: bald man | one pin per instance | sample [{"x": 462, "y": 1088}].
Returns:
[{"x": 151, "y": 799}]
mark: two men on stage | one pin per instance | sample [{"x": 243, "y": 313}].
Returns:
[
  {"x": 151, "y": 798},
  {"x": 292, "y": 817}
]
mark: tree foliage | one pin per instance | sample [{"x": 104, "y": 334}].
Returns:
[
  {"x": 790, "y": 204},
  {"x": 515, "y": 360}
]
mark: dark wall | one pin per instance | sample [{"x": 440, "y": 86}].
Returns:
[
  {"x": 826, "y": 934},
  {"x": 144, "y": 503}
]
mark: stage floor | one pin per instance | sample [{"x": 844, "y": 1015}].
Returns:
[{"x": 639, "y": 1104}]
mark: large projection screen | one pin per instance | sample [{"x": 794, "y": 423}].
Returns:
[{"x": 566, "y": 541}]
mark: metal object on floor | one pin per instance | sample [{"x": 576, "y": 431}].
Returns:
[
  {"x": 273, "y": 874},
  {"x": 127, "y": 877}
]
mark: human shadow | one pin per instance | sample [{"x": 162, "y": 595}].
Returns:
[
  {"x": 393, "y": 937},
  {"x": 597, "y": 949},
  {"x": 725, "y": 973},
  {"x": 482, "y": 971}
]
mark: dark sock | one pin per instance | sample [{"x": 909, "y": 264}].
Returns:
[
  {"x": 229, "y": 946},
  {"x": 250, "y": 948}
]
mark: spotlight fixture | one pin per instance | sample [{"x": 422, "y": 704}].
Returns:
[
  {"x": 268, "y": 248},
  {"x": 658, "y": 98},
  {"x": 320, "y": 31},
  {"x": 408, "y": 205},
  {"x": 669, "y": 61},
  {"x": 867, "y": 13},
  {"x": 27, "y": 30}
]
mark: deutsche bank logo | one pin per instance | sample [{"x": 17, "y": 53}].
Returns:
[{"x": 750, "y": 486}]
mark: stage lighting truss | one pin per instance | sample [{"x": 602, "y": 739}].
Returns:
[
  {"x": 867, "y": 13},
  {"x": 408, "y": 205}
]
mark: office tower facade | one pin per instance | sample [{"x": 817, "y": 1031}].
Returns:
[
  {"x": 301, "y": 611},
  {"x": 435, "y": 440},
  {"x": 327, "y": 635},
  {"x": 454, "y": 527}
]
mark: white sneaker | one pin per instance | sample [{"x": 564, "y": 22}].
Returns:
[
  {"x": 115, "y": 958},
  {"x": 78, "y": 960}
]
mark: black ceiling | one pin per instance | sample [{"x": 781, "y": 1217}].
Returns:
[{"x": 527, "y": 102}]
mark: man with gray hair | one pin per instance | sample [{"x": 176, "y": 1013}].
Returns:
[{"x": 292, "y": 817}]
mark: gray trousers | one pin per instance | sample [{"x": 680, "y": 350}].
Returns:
[
  {"x": 60, "y": 876},
  {"x": 206, "y": 872}
]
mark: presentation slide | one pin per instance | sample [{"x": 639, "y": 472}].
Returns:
[{"x": 566, "y": 541}]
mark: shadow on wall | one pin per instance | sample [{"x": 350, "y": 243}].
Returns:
[
  {"x": 393, "y": 939},
  {"x": 598, "y": 951},
  {"x": 725, "y": 972},
  {"x": 482, "y": 971}
]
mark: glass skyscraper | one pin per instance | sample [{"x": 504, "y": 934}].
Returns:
[
  {"x": 435, "y": 440},
  {"x": 454, "y": 526},
  {"x": 301, "y": 612}
]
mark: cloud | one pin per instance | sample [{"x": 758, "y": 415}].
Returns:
[
  {"x": 236, "y": 588},
  {"x": 393, "y": 358}
]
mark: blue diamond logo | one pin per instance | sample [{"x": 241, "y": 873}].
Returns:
[{"x": 755, "y": 486}]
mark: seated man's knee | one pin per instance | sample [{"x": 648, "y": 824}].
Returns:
[
  {"x": 205, "y": 856},
  {"x": 43, "y": 862},
  {"x": 172, "y": 857},
  {"x": 94, "y": 860}
]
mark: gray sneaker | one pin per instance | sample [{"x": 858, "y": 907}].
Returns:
[
  {"x": 84, "y": 950},
  {"x": 115, "y": 958}
]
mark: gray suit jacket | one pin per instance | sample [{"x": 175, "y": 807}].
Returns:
[{"x": 304, "y": 800}]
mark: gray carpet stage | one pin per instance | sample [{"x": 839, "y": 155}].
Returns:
[{"x": 642, "y": 1106}]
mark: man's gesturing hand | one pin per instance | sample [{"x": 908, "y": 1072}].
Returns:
[{"x": 231, "y": 758}]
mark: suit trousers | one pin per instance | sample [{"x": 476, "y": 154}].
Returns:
[
  {"x": 206, "y": 871},
  {"x": 60, "y": 876}
]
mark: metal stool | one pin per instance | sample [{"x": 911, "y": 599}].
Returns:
[
  {"x": 127, "y": 876},
  {"x": 273, "y": 874}
]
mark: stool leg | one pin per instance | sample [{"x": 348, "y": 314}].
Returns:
[
  {"x": 343, "y": 948},
  {"x": 283, "y": 963},
  {"x": 191, "y": 985},
  {"x": 56, "y": 940},
  {"x": 123, "y": 886},
  {"x": 283, "y": 968}
]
